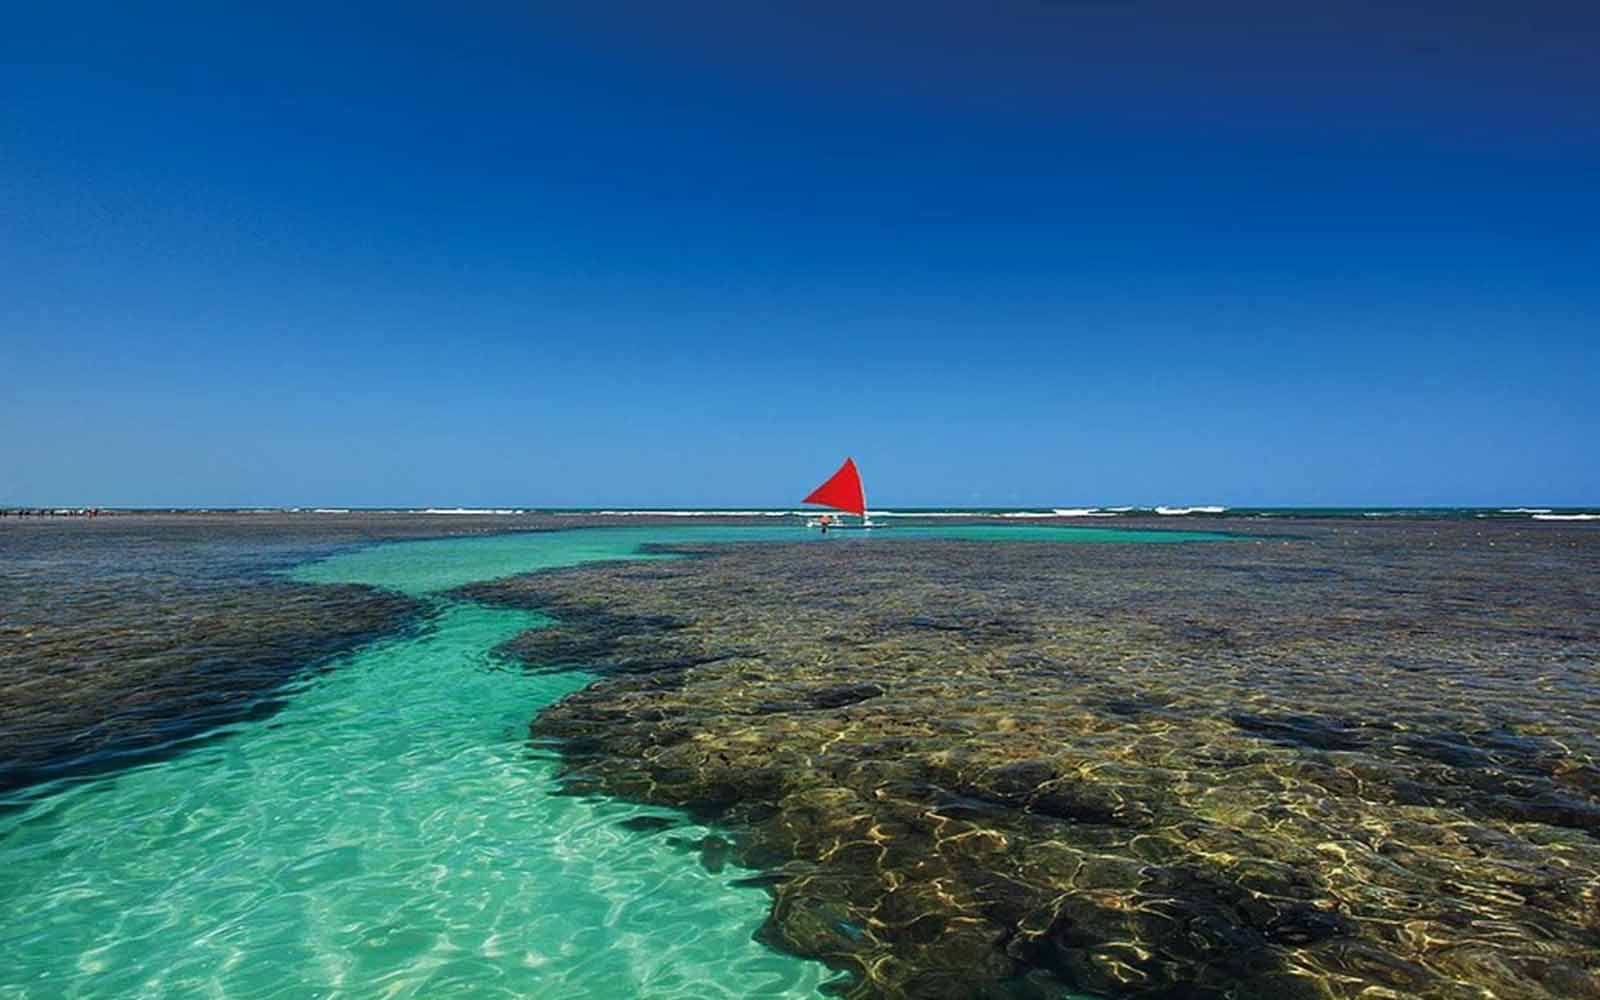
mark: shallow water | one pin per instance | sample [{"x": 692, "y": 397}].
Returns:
[
  {"x": 1360, "y": 762},
  {"x": 442, "y": 564},
  {"x": 390, "y": 832}
]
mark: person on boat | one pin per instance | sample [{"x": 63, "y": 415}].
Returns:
[{"x": 823, "y": 522}]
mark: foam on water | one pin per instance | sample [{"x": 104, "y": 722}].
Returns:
[{"x": 471, "y": 510}]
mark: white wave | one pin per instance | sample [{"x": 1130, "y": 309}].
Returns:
[
  {"x": 331, "y": 510},
  {"x": 1525, "y": 510},
  {"x": 471, "y": 510},
  {"x": 918, "y": 514},
  {"x": 1189, "y": 510},
  {"x": 1566, "y": 517}
]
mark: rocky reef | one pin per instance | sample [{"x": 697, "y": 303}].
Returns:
[
  {"x": 127, "y": 635},
  {"x": 77, "y": 694},
  {"x": 1362, "y": 761}
]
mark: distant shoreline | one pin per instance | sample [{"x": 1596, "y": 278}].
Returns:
[{"x": 535, "y": 518}]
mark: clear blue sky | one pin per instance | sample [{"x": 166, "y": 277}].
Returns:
[{"x": 1020, "y": 252}]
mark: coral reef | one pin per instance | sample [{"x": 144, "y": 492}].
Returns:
[{"x": 1362, "y": 761}]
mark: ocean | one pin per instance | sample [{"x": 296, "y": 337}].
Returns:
[{"x": 365, "y": 754}]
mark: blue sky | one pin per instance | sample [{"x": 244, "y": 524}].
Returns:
[{"x": 1043, "y": 253}]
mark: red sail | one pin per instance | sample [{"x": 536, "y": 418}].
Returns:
[{"x": 842, "y": 491}]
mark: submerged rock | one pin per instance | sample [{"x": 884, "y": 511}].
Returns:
[
  {"x": 131, "y": 635},
  {"x": 97, "y": 692},
  {"x": 986, "y": 769}
]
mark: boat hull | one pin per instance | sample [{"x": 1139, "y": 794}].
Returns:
[{"x": 834, "y": 526}]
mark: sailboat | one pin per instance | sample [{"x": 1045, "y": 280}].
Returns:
[{"x": 841, "y": 491}]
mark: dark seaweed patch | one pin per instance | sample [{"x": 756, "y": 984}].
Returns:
[
  {"x": 1305, "y": 731},
  {"x": 648, "y": 824}
]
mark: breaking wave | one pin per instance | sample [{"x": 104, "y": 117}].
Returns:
[{"x": 471, "y": 510}]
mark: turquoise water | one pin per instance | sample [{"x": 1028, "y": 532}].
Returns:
[
  {"x": 440, "y": 564},
  {"x": 390, "y": 833}
]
